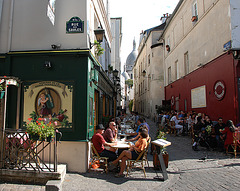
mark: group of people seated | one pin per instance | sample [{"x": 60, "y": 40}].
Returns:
[
  {"x": 103, "y": 140},
  {"x": 215, "y": 135}
]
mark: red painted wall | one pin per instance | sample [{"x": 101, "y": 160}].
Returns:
[{"x": 222, "y": 68}]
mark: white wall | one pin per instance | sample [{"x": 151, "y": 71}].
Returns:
[
  {"x": 203, "y": 40},
  {"x": 32, "y": 29}
]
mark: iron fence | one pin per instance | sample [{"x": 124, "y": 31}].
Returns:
[{"x": 19, "y": 152}]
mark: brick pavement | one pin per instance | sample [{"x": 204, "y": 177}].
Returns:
[{"x": 186, "y": 172}]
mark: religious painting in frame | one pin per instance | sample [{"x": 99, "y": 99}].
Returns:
[{"x": 49, "y": 100}]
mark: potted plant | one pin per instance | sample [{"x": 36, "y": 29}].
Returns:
[
  {"x": 168, "y": 48},
  {"x": 194, "y": 18},
  {"x": 39, "y": 129},
  {"x": 156, "y": 151}
]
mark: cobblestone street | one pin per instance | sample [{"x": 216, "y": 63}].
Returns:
[{"x": 185, "y": 172}]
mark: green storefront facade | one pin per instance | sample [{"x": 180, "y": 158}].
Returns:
[{"x": 78, "y": 85}]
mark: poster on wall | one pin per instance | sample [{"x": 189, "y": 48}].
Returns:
[
  {"x": 51, "y": 11},
  {"x": 198, "y": 97},
  {"x": 49, "y": 100}
]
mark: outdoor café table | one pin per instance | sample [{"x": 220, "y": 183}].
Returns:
[
  {"x": 125, "y": 134},
  {"x": 162, "y": 143},
  {"x": 121, "y": 145}
]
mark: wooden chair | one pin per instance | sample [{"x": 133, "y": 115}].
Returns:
[
  {"x": 236, "y": 143},
  {"x": 146, "y": 153},
  {"x": 140, "y": 160},
  {"x": 173, "y": 129},
  {"x": 102, "y": 160},
  {"x": 192, "y": 134}
]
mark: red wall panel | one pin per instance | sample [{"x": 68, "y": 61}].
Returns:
[{"x": 222, "y": 69}]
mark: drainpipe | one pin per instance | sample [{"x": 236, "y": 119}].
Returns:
[{"x": 10, "y": 26}]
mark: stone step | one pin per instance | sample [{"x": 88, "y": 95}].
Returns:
[{"x": 34, "y": 177}]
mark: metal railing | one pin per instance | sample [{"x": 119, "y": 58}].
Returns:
[{"x": 19, "y": 152}]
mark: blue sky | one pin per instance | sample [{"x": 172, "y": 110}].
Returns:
[{"x": 138, "y": 15}]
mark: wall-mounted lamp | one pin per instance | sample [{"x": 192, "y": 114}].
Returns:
[
  {"x": 99, "y": 33},
  {"x": 56, "y": 46},
  {"x": 47, "y": 64},
  {"x": 115, "y": 73}
]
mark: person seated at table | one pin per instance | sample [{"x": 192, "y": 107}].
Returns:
[
  {"x": 228, "y": 132},
  {"x": 99, "y": 143},
  {"x": 110, "y": 134},
  {"x": 178, "y": 123},
  {"x": 138, "y": 136},
  {"x": 140, "y": 122},
  {"x": 132, "y": 153}
]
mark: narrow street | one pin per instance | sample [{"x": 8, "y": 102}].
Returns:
[{"x": 185, "y": 172}]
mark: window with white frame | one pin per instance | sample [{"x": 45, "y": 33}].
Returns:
[
  {"x": 176, "y": 70},
  {"x": 186, "y": 63},
  {"x": 194, "y": 8},
  {"x": 169, "y": 75},
  {"x": 168, "y": 40}
]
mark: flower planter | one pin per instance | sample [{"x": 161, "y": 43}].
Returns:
[
  {"x": 156, "y": 161},
  {"x": 194, "y": 18},
  {"x": 2, "y": 94},
  {"x": 34, "y": 137},
  {"x": 49, "y": 139}
]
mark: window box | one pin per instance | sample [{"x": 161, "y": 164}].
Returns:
[{"x": 194, "y": 18}]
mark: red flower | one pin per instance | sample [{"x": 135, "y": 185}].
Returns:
[
  {"x": 30, "y": 119},
  {"x": 39, "y": 123}
]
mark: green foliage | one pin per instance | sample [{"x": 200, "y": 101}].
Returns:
[
  {"x": 130, "y": 106},
  {"x": 40, "y": 127},
  {"x": 2, "y": 88},
  {"x": 99, "y": 50},
  {"x": 110, "y": 68},
  {"x": 129, "y": 82}
]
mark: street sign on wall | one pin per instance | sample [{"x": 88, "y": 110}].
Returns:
[{"x": 75, "y": 25}]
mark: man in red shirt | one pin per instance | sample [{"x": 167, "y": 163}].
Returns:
[{"x": 99, "y": 143}]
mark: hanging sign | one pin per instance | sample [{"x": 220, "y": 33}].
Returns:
[{"x": 75, "y": 25}]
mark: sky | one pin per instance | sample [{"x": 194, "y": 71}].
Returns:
[{"x": 137, "y": 16}]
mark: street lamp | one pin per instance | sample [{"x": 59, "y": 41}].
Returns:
[
  {"x": 115, "y": 73},
  {"x": 99, "y": 33}
]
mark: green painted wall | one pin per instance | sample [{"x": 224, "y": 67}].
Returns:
[{"x": 66, "y": 68}]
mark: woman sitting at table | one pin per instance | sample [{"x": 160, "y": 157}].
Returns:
[
  {"x": 132, "y": 153},
  {"x": 138, "y": 136}
]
